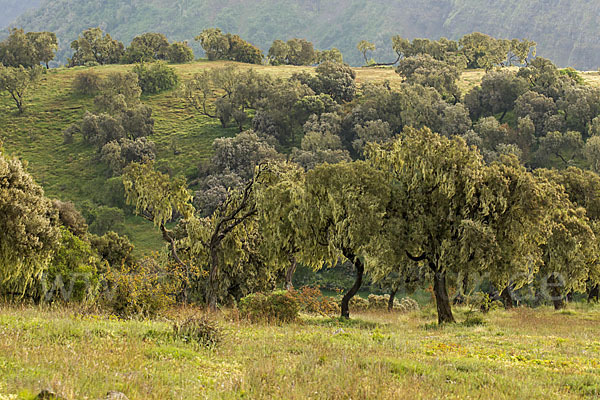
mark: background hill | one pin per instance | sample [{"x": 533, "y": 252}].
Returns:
[
  {"x": 566, "y": 31},
  {"x": 11, "y": 9}
]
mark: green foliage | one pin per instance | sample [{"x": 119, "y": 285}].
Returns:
[
  {"x": 27, "y": 49},
  {"x": 139, "y": 290},
  {"x": 180, "y": 52},
  {"x": 92, "y": 46},
  {"x": 293, "y": 52},
  {"x": 275, "y": 307},
  {"x": 147, "y": 47},
  {"x": 497, "y": 94},
  {"x": 72, "y": 274},
  {"x": 18, "y": 82},
  {"x": 114, "y": 249},
  {"x": 426, "y": 71},
  {"x": 364, "y": 46},
  {"x": 29, "y": 233},
  {"x": 154, "y": 192},
  {"x": 220, "y": 46},
  {"x": 105, "y": 219},
  {"x": 87, "y": 83},
  {"x": 484, "y": 51},
  {"x": 155, "y": 78},
  {"x": 573, "y": 74}
]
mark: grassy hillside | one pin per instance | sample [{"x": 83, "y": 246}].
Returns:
[
  {"x": 566, "y": 31},
  {"x": 74, "y": 172},
  {"x": 520, "y": 354}
]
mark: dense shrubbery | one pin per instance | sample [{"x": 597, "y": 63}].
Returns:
[
  {"x": 278, "y": 306},
  {"x": 312, "y": 301},
  {"x": 141, "y": 289},
  {"x": 156, "y": 77},
  {"x": 220, "y": 46}
]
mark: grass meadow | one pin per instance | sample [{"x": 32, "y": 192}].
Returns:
[{"x": 517, "y": 354}]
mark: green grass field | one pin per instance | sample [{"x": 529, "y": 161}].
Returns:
[{"x": 519, "y": 354}]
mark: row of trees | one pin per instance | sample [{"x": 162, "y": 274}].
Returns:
[
  {"x": 474, "y": 50},
  {"x": 411, "y": 201},
  {"x": 488, "y": 217},
  {"x": 420, "y": 200},
  {"x": 28, "y": 49},
  {"x": 93, "y": 47},
  {"x": 300, "y": 52}
]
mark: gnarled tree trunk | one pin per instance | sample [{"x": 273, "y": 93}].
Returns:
[
  {"x": 442, "y": 300},
  {"x": 391, "y": 300},
  {"x": 211, "y": 292},
  {"x": 507, "y": 298},
  {"x": 594, "y": 293},
  {"x": 360, "y": 270},
  {"x": 555, "y": 290},
  {"x": 289, "y": 274}
]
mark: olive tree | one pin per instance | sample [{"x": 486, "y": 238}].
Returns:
[
  {"x": 342, "y": 211},
  {"x": 18, "y": 82},
  {"x": 451, "y": 212}
]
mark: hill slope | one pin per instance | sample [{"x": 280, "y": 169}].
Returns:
[
  {"x": 11, "y": 9},
  {"x": 74, "y": 172},
  {"x": 566, "y": 31}
]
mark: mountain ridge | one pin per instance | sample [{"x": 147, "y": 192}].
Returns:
[{"x": 564, "y": 30}]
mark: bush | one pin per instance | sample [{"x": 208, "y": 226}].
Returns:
[
  {"x": 87, "y": 82},
  {"x": 156, "y": 78},
  {"x": 359, "y": 304},
  {"x": 200, "y": 330},
  {"x": 104, "y": 219},
  {"x": 311, "y": 300},
  {"x": 407, "y": 305},
  {"x": 137, "y": 290},
  {"x": 377, "y": 302},
  {"x": 277, "y": 306},
  {"x": 114, "y": 249},
  {"x": 72, "y": 275},
  {"x": 180, "y": 52}
]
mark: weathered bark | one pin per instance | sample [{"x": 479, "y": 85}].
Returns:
[
  {"x": 556, "y": 292},
  {"x": 460, "y": 296},
  {"x": 507, "y": 298},
  {"x": 442, "y": 299},
  {"x": 391, "y": 300},
  {"x": 594, "y": 294},
  {"x": 211, "y": 292},
  {"x": 289, "y": 274},
  {"x": 360, "y": 270}
]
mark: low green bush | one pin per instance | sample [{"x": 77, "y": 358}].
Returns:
[
  {"x": 279, "y": 306},
  {"x": 156, "y": 77},
  {"x": 137, "y": 290}
]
